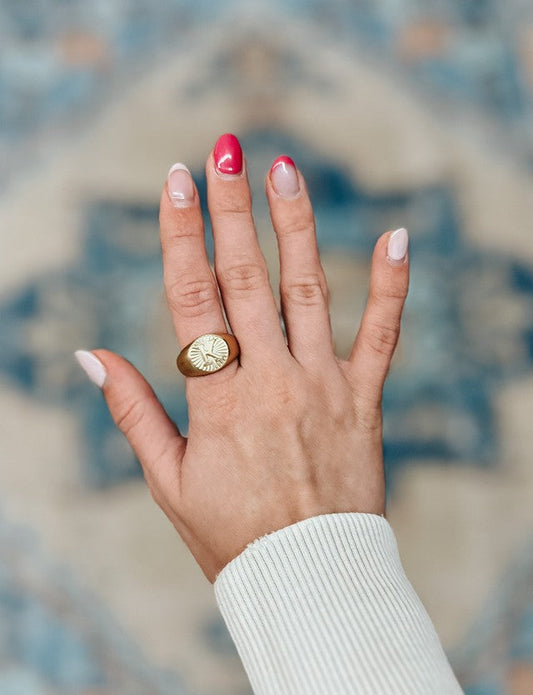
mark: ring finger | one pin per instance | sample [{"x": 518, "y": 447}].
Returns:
[{"x": 303, "y": 286}]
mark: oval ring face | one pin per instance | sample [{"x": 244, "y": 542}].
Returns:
[{"x": 208, "y": 352}]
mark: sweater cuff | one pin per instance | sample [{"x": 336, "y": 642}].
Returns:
[{"x": 324, "y": 606}]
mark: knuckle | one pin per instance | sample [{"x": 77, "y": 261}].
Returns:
[
  {"x": 232, "y": 205},
  {"x": 243, "y": 277},
  {"x": 392, "y": 291},
  {"x": 178, "y": 233},
  {"x": 177, "y": 225},
  {"x": 339, "y": 408},
  {"x": 191, "y": 297},
  {"x": 130, "y": 415},
  {"x": 301, "y": 224},
  {"x": 305, "y": 290},
  {"x": 382, "y": 338}
]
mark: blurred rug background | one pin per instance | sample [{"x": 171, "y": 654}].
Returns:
[{"x": 399, "y": 113}]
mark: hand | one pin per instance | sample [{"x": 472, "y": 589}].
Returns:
[{"x": 289, "y": 431}]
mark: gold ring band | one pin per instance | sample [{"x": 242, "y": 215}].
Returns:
[{"x": 207, "y": 354}]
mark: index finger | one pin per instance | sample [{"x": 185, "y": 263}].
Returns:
[{"x": 190, "y": 285}]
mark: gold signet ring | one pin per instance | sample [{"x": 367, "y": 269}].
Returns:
[{"x": 207, "y": 354}]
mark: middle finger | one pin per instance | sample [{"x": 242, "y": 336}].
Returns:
[{"x": 239, "y": 263}]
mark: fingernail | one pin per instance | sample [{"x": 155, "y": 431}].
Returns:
[
  {"x": 397, "y": 246},
  {"x": 92, "y": 366},
  {"x": 228, "y": 155},
  {"x": 180, "y": 186},
  {"x": 284, "y": 177}
]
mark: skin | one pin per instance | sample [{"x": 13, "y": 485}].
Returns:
[{"x": 288, "y": 431}]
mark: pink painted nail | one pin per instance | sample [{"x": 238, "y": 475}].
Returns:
[
  {"x": 228, "y": 155},
  {"x": 397, "y": 246},
  {"x": 92, "y": 366},
  {"x": 284, "y": 177},
  {"x": 180, "y": 186}
]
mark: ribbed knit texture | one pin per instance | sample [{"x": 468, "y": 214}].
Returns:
[{"x": 323, "y": 607}]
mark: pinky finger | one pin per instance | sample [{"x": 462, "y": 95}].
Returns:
[{"x": 378, "y": 334}]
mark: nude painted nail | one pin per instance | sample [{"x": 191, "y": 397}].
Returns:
[
  {"x": 284, "y": 177},
  {"x": 397, "y": 246},
  {"x": 228, "y": 155},
  {"x": 92, "y": 366},
  {"x": 180, "y": 186}
]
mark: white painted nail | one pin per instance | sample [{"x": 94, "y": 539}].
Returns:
[
  {"x": 180, "y": 186},
  {"x": 92, "y": 366},
  {"x": 397, "y": 246}
]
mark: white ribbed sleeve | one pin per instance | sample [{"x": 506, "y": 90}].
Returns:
[{"x": 323, "y": 607}]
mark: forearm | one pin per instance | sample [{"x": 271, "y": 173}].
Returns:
[{"x": 323, "y": 607}]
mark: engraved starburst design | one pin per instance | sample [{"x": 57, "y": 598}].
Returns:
[{"x": 209, "y": 352}]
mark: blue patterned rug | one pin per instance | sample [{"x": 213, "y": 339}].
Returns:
[{"x": 63, "y": 63}]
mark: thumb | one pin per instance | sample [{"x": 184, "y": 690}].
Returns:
[{"x": 139, "y": 415}]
